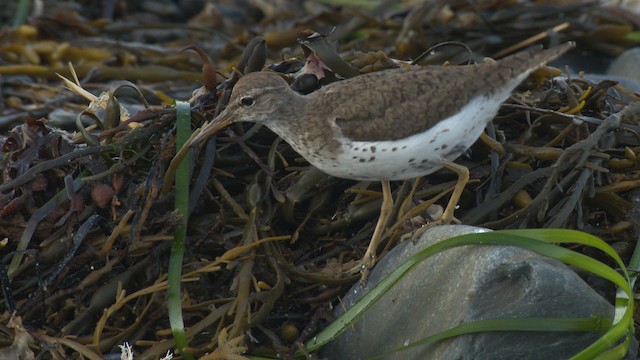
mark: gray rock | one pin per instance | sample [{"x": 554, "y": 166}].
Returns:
[
  {"x": 464, "y": 285},
  {"x": 626, "y": 65}
]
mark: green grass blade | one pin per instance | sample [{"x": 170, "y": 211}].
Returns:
[
  {"x": 594, "y": 324},
  {"x": 22, "y": 12},
  {"x": 183, "y": 115}
]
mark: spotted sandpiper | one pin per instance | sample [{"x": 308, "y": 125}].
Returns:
[{"x": 389, "y": 125}]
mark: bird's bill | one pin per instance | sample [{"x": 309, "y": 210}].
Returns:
[
  {"x": 211, "y": 128},
  {"x": 205, "y": 132}
]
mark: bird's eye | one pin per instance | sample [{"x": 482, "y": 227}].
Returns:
[{"x": 247, "y": 101}]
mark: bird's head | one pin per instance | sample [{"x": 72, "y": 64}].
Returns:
[{"x": 257, "y": 97}]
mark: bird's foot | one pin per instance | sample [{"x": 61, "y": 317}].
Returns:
[
  {"x": 364, "y": 267},
  {"x": 415, "y": 235}
]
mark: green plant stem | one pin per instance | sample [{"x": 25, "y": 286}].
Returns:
[
  {"x": 183, "y": 115},
  {"x": 22, "y": 12}
]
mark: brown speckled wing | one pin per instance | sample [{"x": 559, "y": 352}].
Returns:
[{"x": 421, "y": 96}]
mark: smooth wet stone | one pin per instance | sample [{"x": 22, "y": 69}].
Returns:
[
  {"x": 467, "y": 284},
  {"x": 626, "y": 65}
]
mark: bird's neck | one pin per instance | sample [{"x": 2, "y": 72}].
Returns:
[{"x": 301, "y": 124}]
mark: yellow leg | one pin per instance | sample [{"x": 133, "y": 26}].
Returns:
[
  {"x": 385, "y": 209},
  {"x": 407, "y": 204},
  {"x": 447, "y": 216},
  {"x": 463, "y": 179}
]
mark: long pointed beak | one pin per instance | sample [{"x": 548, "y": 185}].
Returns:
[
  {"x": 217, "y": 124},
  {"x": 205, "y": 132}
]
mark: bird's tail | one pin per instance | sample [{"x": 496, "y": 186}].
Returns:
[{"x": 525, "y": 62}]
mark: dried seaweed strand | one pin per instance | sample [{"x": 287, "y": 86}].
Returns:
[
  {"x": 270, "y": 297},
  {"x": 203, "y": 174},
  {"x": 237, "y": 208},
  {"x": 33, "y": 222},
  {"x": 78, "y": 238},
  {"x": 242, "y": 303},
  {"x": 492, "y": 205},
  {"x": 565, "y": 161},
  {"x": 53, "y": 163}
]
